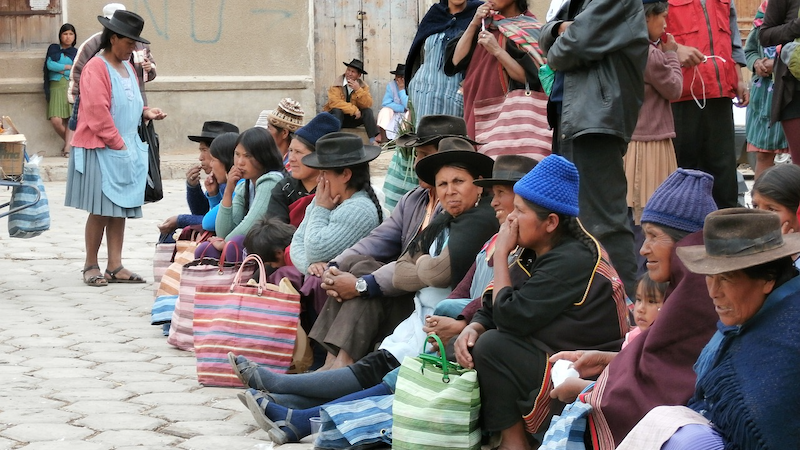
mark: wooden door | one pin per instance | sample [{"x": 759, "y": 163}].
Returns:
[
  {"x": 29, "y": 24},
  {"x": 379, "y": 32}
]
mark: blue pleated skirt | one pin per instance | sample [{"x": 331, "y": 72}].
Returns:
[{"x": 85, "y": 190}]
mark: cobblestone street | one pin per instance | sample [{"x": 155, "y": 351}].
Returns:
[{"x": 82, "y": 367}]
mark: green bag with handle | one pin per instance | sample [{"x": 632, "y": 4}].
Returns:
[
  {"x": 790, "y": 54},
  {"x": 437, "y": 404}
]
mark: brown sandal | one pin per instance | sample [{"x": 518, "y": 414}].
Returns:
[
  {"x": 112, "y": 277},
  {"x": 95, "y": 280}
]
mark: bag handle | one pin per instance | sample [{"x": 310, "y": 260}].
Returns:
[
  {"x": 222, "y": 258},
  {"x": 262, "y": 282},
  {"x": 505, "y": 79},
  {"x": 438, "y": 361}
]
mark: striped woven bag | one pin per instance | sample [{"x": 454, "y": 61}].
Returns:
[
  {"x": 257, "y": 322},
  {"x": 436, "y": 405}
]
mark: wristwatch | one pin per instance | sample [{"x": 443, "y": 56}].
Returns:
[{"x": 361, "y": 287}]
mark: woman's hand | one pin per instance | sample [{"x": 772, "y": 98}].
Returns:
[
  {"x": 217, "y": 242},
  {"x": 569, "y": 390},
  {"x": 588, "y": 363},
  {"x": 445, "y": 327},
  {"x": 466, "y": 340},
  {"x": 483, "y": 11},
  {"x": 234, "y": 175},
  {"x": 488, "y": 41},
  {"x": 669, "y": 44},
  {"x": 154, "y": 114},
  {"x": 211, "y": 184},
  {"x": 323, "y": 198},
  {"x": 169, "y": 225},
  {"x": 507, "y": 238},
  {"x": 317, "y": 268}
]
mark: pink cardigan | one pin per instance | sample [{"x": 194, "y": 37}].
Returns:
[
  {"x": 95, "y": 125},
  {"x": 663, "y": 82}
]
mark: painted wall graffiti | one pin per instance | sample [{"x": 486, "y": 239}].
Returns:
[{"x": 206, "y": 17}]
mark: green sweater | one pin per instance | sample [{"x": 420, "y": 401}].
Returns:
[{"x": 235, "y": 220}]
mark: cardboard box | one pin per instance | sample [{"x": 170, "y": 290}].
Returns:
[{"x": 12, "y": 154}]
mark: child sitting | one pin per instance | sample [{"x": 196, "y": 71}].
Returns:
[
  {"x": 649, "y": 300},
  {"x": 269, "y": 239}
]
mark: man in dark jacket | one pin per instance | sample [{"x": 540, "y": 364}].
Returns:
[{"x": 598, "y": 49}]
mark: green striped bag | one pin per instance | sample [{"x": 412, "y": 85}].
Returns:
[{"x": 436, "y": 405}]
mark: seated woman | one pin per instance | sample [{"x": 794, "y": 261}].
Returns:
[
  {"x": 745, "y": 395},
  {"x": 571, "y": 287},
  {"x": 291, "y": 196},
  {"x": 462, "y": 229},
  {"x": 257, "y": 161},
  {"x": 463, "y": 224},
  {"x": 656, "y": 367},
  {"x": 221, "y": 162},
  {"x": 345, "y": 207}
]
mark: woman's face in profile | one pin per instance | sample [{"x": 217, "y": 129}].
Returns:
[
  {"x": 297, "y": 150},
  {"x": 657, "y": 249},
  {"x": 455, "y": 190}
]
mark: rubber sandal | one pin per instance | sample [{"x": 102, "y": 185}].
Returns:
[
  {"x": 133, "y": 278},
  {"x": 95, "y": 280},
  {"x": 273, "y": 429},
  {"x": 246, "y": 371}
]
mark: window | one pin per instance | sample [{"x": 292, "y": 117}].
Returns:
[{"x": 28, "y": 24}]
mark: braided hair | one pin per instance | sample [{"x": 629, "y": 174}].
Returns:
[{"x": 360, "y": 181}]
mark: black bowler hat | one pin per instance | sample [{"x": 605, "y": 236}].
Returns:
[
  {"x": 338, "y": 150},
  {"x": 125, "y": 23},
  {"x": 400, "y": 70},
  {"x": 356, "y": 64},
  {"x": 454, "y": 150},
  {"x": 508, "y": 169},
  {"x": 212, "y": 129},
  {"x": 432, "y": 128}
]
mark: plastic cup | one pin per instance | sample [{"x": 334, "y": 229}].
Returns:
[{"x": 315, "y": 423}]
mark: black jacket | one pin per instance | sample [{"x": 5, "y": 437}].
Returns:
[{"x": 602, "y": 55}]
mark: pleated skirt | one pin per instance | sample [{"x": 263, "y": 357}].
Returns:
[
  {"x": 647, "y": 165},
  {"x": 85, "y": 190},
  {"x": 59, "y": 105}
]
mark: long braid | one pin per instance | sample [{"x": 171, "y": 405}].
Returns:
[
  {"x": 360, "y": 180},
  {"x": 576, "y": 230},
  {"x": 371, "y": 192}
]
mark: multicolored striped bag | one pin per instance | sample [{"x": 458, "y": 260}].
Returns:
[
  {"x": 257, "y": 322},
  {"x": 437, "y": 404}
]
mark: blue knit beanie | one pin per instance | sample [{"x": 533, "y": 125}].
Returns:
[
  {"x": 682, "y": 201},
  {"x": 552, "y": 184},
  {"x": 319, "y": 126}
]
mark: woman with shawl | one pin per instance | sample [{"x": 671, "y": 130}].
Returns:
[
  {"x": 430, "y": 90},
  {"x": 57, "y": 65},
  {"x": 491, "y": 69},
  {"x": 656, "y": 368}
]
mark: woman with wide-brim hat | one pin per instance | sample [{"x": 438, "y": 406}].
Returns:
[
  {"x": 345, "y": 207},
  {"x": 572, "y": 299},
  {"x": 108, "y": 162},
  {"x": 745, "y": 395}
]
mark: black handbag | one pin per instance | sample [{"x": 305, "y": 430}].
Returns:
[{"x": 153, "y": 190}]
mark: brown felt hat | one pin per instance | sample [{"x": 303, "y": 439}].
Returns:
[
  {"x": 737, "y": 238},
  {"x": 433, "y": 128},
  {"x": 508, "y": 169},
  {"x": 454, "y": 150}
]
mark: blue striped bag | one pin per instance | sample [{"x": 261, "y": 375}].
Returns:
[
  {"x": 162, "y": 310},
  {"x": 29, "y": 221},
  {"x": 362, "y": 423},
  {"x": 437, "y": 404},
  {"x": 566, "y": 430}
]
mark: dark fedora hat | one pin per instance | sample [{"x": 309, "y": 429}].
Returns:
[
  {"x": 212, "y": 129},
  {"x": 433, "y": 128},
  {"x": 356, "y": 64},
  {"x": 508, "y": 169},
  {"x": 400, "y": 70},
  {"x": 737, "y": 238},
  {"x": 125, "y": 23},
  {"x": 338, "y": 150},
  {"x": 454, "y": 150}
]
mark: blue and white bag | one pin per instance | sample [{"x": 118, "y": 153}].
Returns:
[{"x": 33, "y": 220}]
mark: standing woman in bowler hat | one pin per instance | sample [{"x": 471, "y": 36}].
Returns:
[{"x": 108, "y": 163}]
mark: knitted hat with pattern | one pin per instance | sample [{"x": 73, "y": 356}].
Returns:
[
  {"x": 287, "y": 116},
  {"x": 682, "y": 201},
  {"x": 552, "y": 184}
]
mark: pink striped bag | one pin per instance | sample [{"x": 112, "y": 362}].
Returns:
[
  {"x": 200, "y": 272},
  {"x": 258, "y": 322}
]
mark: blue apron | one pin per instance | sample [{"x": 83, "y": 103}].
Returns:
[{"x": 124, "y": 172}]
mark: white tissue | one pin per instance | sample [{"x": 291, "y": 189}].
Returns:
[{"x": 562, "y": 369}]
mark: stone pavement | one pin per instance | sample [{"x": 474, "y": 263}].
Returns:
[{"x": 82, "y": 368}]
